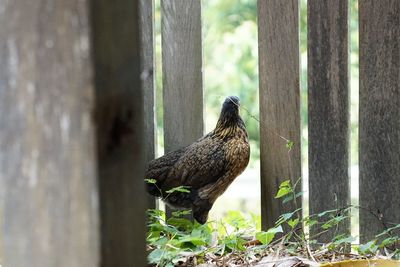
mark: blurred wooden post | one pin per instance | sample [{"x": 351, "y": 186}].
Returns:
[
  {"x": 71, "y": 134},
  {"x": 379, "y": 115},
  {"x": 182, "y": 72},
  {"x": 328, "y": 110},
  {"x": 119, "y": 118},
  {"x": 278, "y": 33},
  {"x": 148, "y": 83},
  {"x": 47, "y": 145}
]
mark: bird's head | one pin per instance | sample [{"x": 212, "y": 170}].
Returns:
[
  {"x": 231, "y": 105},
  {"x": 229, "y": 116}
]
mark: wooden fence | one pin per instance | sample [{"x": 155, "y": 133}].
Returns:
[{"x": 77, "y": 118}]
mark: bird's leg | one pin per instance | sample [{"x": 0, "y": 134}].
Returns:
[
  {"x": 207, "y": 196},
  {"x": 201, "y": 208}
]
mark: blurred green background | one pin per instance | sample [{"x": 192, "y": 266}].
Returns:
[{"x": 230, "y": 67}]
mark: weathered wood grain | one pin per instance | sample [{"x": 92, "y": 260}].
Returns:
[
  {"x": 49, "y": 197},
  {"x": 278, "y": 35},
  {"x": 119, "y": 119},
  {"x": 148, "y": 82},
  {"x": 379, "y": 115},
  {"x": 182, "y": 72},
  {"x": 328, "y": 110}
]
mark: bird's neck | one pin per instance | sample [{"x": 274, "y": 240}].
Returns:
[{"x": 228, "y": 124}]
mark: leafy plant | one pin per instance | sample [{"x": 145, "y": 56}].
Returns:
[{"x": 177, "y": 240}]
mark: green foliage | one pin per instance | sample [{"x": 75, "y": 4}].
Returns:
[
  {"x": 284, "y": 189},
  {"x": 289, "y": 145},
  {"x": 182, "y": 189},
  {"x": 266, "y": 237},
  {"x": 368, "y": 248},
  {"x": 170, "y": 238},
  {"x": 150, "y": 181},
  {"x": 176, "y": 239},
  {"x": 388, "y": 241}
]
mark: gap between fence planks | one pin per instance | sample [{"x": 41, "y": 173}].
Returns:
[
  {"x": 278, "y": 33},
  {"x": 147, "y": 73}
]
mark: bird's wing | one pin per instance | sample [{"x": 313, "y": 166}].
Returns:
[
  {"x": 159, "y": 168},
  {"x": 202, "y": 163}
]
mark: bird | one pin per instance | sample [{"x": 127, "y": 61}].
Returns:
[{"x": 205, "y": 168}]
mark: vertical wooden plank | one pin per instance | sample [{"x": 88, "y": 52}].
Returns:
[
  {"x": 379, "y": 115},
  {"x": 328, "y": 110},
  {"x": 182, "y": 76},
  {"x": 119, "y": 118},
  {"x": 147, "y": 70},
  {"x": 278, "y": 34},
  {"x": 49, "y": 212},
  {"x": 182, "y": 72}
]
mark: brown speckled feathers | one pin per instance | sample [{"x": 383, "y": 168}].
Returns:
[{"x": 207, "y": 167}]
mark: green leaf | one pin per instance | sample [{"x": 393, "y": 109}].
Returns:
[
  {"x": 368, "y": 248},
  {"x": 333, "y": 222},
  {"x": 311, "y": 222},
  {"x": 283, "y": 191},
  {"x": 286, "y": 216},
  {"x": 287, "y": 199},
  {"x": 180, "y": 223},
  {"x": 182, "y": 188},
  {"x": 389, "y": 241},
  {"x": 266, "y": 237},
  {"x": 155, "y": 256},
  {"x": 180, "y": 213},
  {"x": 293, "y": 223},
  {"x": 397, "y": 254},
  {"x": 197, "y": 232},
  {"x": 150, "y": 181},
  {"x": 289, "y": 145},
  {"x": 327, "y": 212},
  {"x": 234, "y": 242},
  {"x": 195, "y": 240},
  {"x": 285, "y": 183},
  {"x": 388, "y": 230},
  {"x": 153, "y": 235},
  {"x": 162, "y": 241}
]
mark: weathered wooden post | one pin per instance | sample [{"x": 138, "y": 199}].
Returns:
[
  {"x": 379, "y": 116},
  {"x": 71, "y": 139},
  {"x": 328, "y": 110},
  {"x": 278, "y": 33},
  {"x": 182, "y": 72},
  {"x": 119, "y": 116}
]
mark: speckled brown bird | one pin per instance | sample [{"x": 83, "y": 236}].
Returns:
[{"x": 207, "y": 167}]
